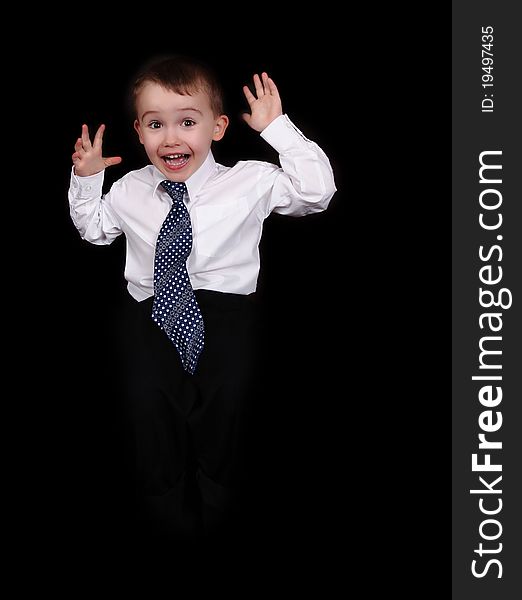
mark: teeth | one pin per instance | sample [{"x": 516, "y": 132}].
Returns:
[{"x": 174, "y": 156}]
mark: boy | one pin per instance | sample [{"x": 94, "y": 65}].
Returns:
[{"x": 192, "y": 230}]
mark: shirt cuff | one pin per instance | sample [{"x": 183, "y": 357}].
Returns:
[
  {"x": 282, "y": 134},
  {"x": 87, "y": 186}
]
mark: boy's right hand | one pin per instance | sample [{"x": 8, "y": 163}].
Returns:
[{"x": 87, "y": 157}]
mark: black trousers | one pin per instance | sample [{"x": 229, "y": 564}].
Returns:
[{"x": 188, "y": 434}]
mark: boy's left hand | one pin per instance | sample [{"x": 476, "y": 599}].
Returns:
[{"x": 266, "y": 107}]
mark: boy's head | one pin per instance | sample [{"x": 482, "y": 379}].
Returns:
[{"x": 179, "y": 113}]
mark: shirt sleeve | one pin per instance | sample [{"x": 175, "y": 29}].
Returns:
[
  {"x": 91, "y": 211},
  {"x": 305, "y": 183}
]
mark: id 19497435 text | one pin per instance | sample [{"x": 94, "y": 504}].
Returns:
[{"x": 487, "y": 69}]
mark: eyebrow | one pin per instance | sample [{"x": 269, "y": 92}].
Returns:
[{"x": 177, "y": 110}]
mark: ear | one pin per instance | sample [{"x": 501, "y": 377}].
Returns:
[
  {"x": 220, "y": 127},
  {"x": 137, "y": 127}
]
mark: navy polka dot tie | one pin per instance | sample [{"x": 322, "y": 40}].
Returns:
[{"x": 175, "y": 308}]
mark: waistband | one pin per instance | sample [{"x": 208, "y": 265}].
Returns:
[
  {"x": 209, "y": 298},
  {"x": 223, "y": 299}
]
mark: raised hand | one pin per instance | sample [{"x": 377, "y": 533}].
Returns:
[
  {"x": 87, "y": 157},
  {"x": 266, "y": 107}
]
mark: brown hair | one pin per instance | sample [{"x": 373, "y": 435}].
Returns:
[{"x": 184, "y": 76}]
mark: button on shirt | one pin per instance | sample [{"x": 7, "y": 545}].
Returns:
[{"x": 227, "y": 207}]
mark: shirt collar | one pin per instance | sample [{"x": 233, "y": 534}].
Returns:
[{"x": 195, "y": 181}]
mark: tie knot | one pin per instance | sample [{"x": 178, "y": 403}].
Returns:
[{"x": 175, "y": 189}]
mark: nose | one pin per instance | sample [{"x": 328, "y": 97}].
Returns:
[{"x": 172, "y": 137}]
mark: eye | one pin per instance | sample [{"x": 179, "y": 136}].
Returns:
[
  {"x": 187, "y": 123},
  {"x": 154, "y": 125}
]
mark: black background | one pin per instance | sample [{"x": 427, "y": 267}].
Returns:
[
  {"x": 356, "y": 440},
  {"x": 304, "y": 430}
]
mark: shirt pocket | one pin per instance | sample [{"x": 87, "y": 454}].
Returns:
[{"x": 218, "y": 227}]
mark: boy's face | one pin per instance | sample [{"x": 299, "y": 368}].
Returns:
[{"x": 176, "y": 131}]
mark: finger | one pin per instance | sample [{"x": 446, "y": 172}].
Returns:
[
  {"x": 80, "y": 151},
  {"x": 273, "y": 88},
  {"x": 112, "y": 160},
  {"x": 86, "y": 142},
  {"x": 248, "y": 95},
  {"x": 264, "y": 80},
  {"x": 259, "y": 86},
  {"x": 78, "y": 146},
  {"x": 98, "y": 138}
]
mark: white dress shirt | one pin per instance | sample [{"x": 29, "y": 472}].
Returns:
[{"x": 227, "y": 207}]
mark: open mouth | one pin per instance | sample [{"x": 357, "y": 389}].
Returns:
[{"x": 176, "y": 161}]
